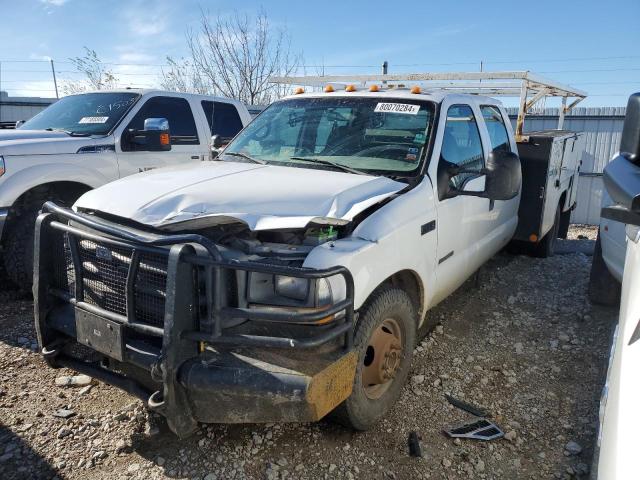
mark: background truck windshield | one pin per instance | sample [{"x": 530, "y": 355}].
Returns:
[
  {"x": 89, "y": 113},
  {"x": 387, "y": 135}
]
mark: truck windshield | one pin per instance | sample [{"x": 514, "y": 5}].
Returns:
[
  {"x": 383, "y": 135},
  {"x": 84, "y": 114}
]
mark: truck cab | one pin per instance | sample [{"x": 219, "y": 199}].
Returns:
[
  {"x": 84, "y": 141},
  {"x": 287, "y": 279}
]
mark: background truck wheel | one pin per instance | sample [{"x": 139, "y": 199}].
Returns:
[
  {"x": 547, "y": 246},
  {"x": 604, "y": 289},
  {"x": 18, "y": 246},
  {"x": 384, "y": 340},
  {"x": 565, "y": 221}
]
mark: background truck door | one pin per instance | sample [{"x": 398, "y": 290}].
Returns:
[
  {"x": 186, "y": 144},
  {"x": 463, "y": 221}
]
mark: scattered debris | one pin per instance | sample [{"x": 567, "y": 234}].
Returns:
[
  {"x": 85, "y": 390},
  {"x": 74, "y": 381},
  {"x": 467, "y": 407},
  {"x": 572, "y": 448},
  {"x": 481, "y": 429},
  {"x": 64, "y": 413},
  {"x": 414, "y": 445}
]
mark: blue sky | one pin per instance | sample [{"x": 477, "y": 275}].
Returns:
[{"x": 590, "y": 44}]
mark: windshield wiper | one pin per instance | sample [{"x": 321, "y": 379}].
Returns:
[
  {"x": 247, "y": 157},
  {"x": 344, "y": 168},
  {"x": 68, "y": 132}
]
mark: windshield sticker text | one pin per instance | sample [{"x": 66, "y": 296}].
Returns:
[
  {"x": 397, "y": 108},
  {"x": 93, "y": 120}
]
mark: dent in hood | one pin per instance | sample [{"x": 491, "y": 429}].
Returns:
[{"x": 264, "y": 197}]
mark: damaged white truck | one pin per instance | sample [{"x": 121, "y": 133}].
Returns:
[{"x": 288, "y": 278}]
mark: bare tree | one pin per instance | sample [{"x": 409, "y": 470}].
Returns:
[
  {"x": 235, "y": 57},
  {"x": 96, "y": 76},
  {"x": 182, "y": 76}
]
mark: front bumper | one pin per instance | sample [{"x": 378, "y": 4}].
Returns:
[{"x": 277, "y": 365}]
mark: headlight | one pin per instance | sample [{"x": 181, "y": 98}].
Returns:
[
  {"x": 288, "y": 291},
  {"x": 1, "y": 165},
  {"x": 292, "y": 287}
]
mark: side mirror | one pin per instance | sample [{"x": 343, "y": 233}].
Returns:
[
  {"x": 622, "y": 175},
  {"x": 503, "y": 177},
  {"x": 630, "y": 141},
  {"x": 155, "y": 136}
]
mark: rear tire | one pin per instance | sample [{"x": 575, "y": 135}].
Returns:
[
  {"x": 547, "y": 246},
  {"x": 367, "y": 404},
  {"x": 604, "y": 289},
  {"x": 565, "y": 221}
]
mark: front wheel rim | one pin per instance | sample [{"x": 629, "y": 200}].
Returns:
[{"x": 382, "y": 358}]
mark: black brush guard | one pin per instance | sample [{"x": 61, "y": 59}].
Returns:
[{"x": 184, "y": 332}]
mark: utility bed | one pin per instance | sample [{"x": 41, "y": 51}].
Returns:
[{"x": 550, "y": 162}]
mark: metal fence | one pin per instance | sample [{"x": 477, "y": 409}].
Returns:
[{"x": 603, "y": 127}]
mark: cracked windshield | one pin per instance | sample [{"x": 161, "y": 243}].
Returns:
[{"x": 353, "y": 134}]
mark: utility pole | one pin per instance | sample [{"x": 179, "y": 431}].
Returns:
[
  {"x": 55, "y": 82},
  {"x": 385, "y": 70}
]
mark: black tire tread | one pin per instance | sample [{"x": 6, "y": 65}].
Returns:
[{"x": 18, "y": 241}]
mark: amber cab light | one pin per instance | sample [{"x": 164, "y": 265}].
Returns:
[
  {"x": 298, "y": 91},
  {"x": 350, "y": 88},
  {"x": 416, "y": 89},
  {"x": 374, "y": 88},
  {"x": 328, "y": 89}
]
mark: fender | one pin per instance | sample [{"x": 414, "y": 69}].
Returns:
[
  {"x": 15, "y": 184},
  {"x": 387, "y": 242}
]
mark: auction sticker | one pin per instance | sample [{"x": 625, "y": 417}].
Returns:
[
  {"x": 93, "y": 120},
  {"x": 397, "y": 108}
]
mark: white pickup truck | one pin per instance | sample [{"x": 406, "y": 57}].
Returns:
[
  {"x": 289, "y": 278},
  {"x": 84, "y": 141}
]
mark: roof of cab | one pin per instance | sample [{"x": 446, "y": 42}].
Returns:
[
  {"x": 156, "y": 91},
  {"x": 436, "y": 95}
]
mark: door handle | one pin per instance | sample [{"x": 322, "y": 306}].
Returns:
[{"x": 195, "y": 157}]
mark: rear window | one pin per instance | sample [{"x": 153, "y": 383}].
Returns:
[{"x": 223, "y": 118}]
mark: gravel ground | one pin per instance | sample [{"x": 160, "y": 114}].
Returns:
[{"x": 521, "y": 340}]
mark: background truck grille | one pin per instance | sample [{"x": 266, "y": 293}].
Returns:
[{"x": 105, "y": 269}]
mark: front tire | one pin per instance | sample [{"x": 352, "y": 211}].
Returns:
[
  {"x": 384, "y": 339},
  {"x": 18, "y": 251}
]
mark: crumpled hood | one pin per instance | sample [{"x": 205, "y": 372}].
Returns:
[
  {"x": 262, "y": 196},
  {"x": 39, "y": 142}
]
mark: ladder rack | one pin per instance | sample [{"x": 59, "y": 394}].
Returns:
[{"x": 530, "y": 87}]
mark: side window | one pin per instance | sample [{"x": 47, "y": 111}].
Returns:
[
  {"x": 182, "y": 126},
  {"x": 461, "y": 143},
  {"x": 223, "y": 118},
  {"x": 497, "y": 130}
]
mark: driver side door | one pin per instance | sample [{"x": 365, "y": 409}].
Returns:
[
  {"x": 462, "y": 220},
  {"x": 185, "y": 142}
]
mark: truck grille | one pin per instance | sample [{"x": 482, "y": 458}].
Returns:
[{"x": 105, "y": 269}]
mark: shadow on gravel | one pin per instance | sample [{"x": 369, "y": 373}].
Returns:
[
  {"x": 18, "y": 461},
  {"x": 564, "y": 247}
]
